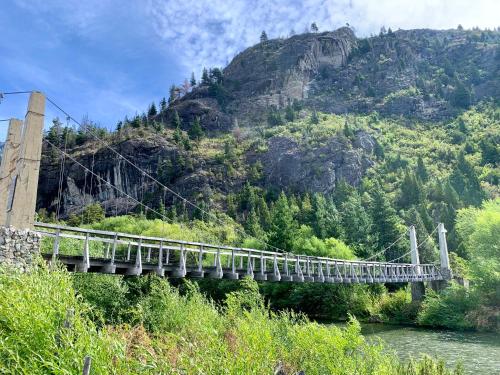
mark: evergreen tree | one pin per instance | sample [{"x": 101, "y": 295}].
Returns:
[
  {"x": 283, "y": 226},
  {"x": 176, "y": 120},
  {"x": 196, "y": 132},
  {"x": 178, "y": 135},
  {"x": 306, "y": 210},
  {"x": 192, "y": 81},
  {"x": 289, "y": 113},
  {"x": 422, "y": 173},
  {"x": 348, "y": 133},
  {"x": 264, "y": 212},
  {"x": 412, "y": 192},
  {"x": 326, "y": 220},
  {"x": 55, "y": 132},
  {"x": 314, "y": 27},
  {"x": 357, "y": 225},
  {"x": 119, "y": 126},
  {"x": 385, "y": 223},
  {"x": 465, "y": 182},
  {"x": 253, "y": 226},
  {"x": 172, "y": 94},
  {"x": 152, "y": 110},
  {"x": 205, "y": 79},
  {"x": 314, "y": 117},
  {"x": 163, "y": 105},
  {"x": 263, "y": 37}
]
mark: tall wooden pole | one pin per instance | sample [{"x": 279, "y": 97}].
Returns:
[
  {"x": 8, "y": 164},
  {"x": 23, "y": 188}
]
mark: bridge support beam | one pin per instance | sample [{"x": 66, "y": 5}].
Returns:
[
  {"x": 23, "y": 187},
  {"x": 417, "y": 288},
  {"x": 8, "y": 164},
  {"x": 444, "y": 261}
]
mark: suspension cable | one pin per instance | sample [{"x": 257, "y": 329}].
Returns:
[
  {"x": 184, "y": 200},
  {"x": 105, "y": 181},
  {"x": 429, "y": 236},
  {"x": 387, "y": 248}
]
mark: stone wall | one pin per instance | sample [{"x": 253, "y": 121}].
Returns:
[{"x": 18, "y": 247}]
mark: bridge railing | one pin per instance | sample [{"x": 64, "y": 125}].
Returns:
[{"x": 114, "y": 252}]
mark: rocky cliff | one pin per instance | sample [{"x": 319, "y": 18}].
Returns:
[{"x": 423, "y": 75}]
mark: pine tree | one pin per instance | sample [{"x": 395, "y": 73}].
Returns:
[
  {"x": 178, "y": 135},
  {"x": 283, "y": 225},
  {"x": 196, "y": 132},
  {"x": 348, "y": 133},
  {"x": 326, "y": 220},
  {"x": 314, "y": 117},
  {"x": 385, "y": 223},
  {"x": 176, "y": 120},
  {"x": 411, "y": 191},
  {"x": 314, "y": 27},
  {"x": 205, "y": 79},
  {"x": 163, "y": 105},
  {"x": 192, "y": 81},
  {"x": 466, "y": 183},
  {"x": 263, "y": 37},
  {"x": 289, "y": 113},
  {"x": 422, "y": 173},
  {"x": 152, "y": 110},
  {"x": 357, "y": 226},
  {"x": 253, "y": 225},
  {"x": 172, "y": 94}
]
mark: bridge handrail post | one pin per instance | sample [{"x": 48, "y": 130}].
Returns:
[
  {"x": 113, "y": 249},
  {"x": 160, "y": 256},
  {"x": 55, "y": 248},
  {"x": 249, "y": 264},
  {"x": 200, "y": 259}
]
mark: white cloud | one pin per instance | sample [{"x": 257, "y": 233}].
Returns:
[{"x": 210, "y": 33}]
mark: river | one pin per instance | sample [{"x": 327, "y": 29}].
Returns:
[{"x": 479, "y": 353}]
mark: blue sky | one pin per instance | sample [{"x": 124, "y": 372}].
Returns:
[{"x": 111, "y": 58}]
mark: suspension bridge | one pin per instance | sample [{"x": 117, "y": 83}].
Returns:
[{"x": 89, "y": 250}]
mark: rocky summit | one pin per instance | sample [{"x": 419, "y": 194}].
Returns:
[{"x": 299, "y": 114}]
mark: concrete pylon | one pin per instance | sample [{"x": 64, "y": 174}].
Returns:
[
  {"x": 8, "y": 164},
  {"x": 443, "y": 252},
  {"x": 23, "y": 188},
  {"x": 417, "y": 288}
]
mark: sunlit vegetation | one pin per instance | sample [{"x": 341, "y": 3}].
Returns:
[{"x": 49, "y": 321}]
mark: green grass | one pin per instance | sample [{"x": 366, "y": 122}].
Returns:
[{"x": 164, "y": 332}]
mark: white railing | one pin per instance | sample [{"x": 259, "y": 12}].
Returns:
[{"x": 103, "y": 251}]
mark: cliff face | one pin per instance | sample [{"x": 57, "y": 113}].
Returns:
[
  {"x": 419, "y": 74},
  {"x": 286, "y": 165},
  {"x": 425, "y": 74}
]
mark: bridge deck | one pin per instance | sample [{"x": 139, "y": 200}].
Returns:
[{"x": 87, "y": 250}]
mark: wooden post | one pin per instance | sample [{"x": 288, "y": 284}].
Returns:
[
  {"x": 86, "y": 365},
  {"x": 8, "y": 164},
  {"x": 23, "y": 188}
]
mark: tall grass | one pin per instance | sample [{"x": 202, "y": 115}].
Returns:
[{"x": 47, "y": 327}]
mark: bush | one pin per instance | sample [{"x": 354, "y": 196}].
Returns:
[
  {"x": 397, "y": 307},
  {"x": 46, "y": 328},
  {"x": 447, "y": 309}
]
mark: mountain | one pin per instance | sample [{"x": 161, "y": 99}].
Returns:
[
  {"x": 413, "y": 112},
  {"x": 426, "y": 74}
]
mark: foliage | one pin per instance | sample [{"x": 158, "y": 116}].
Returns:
[{"x": 46, "y": 328}]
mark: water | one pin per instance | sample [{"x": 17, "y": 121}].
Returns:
[{"x": 479, "y": 353}]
